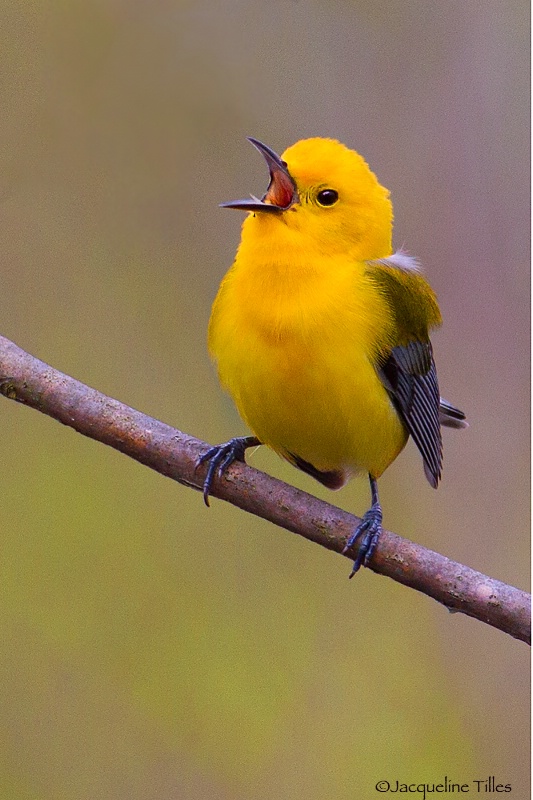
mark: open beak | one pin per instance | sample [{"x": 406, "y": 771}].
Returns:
[{"x": 281, "y": 193}]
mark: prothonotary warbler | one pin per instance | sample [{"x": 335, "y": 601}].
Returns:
[{"x": 320, "y": 331}]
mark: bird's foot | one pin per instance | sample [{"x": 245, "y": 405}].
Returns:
[
  {"x": 369, "y": 529},
  {"x": 221, "y": 456}
]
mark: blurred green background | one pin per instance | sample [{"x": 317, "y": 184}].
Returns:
[{"x": 136, "y": 662}]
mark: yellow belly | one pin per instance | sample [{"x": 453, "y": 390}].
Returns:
[
  {"x": 303, "y": 379},
  {"x": 331, "y": 412}
]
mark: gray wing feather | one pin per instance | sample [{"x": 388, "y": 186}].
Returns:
[{"x": 410, "y": 377}]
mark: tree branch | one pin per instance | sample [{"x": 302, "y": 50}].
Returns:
[{"x": 29, "y": 381}]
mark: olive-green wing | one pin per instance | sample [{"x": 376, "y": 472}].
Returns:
[{"x": 407, "y": 369}]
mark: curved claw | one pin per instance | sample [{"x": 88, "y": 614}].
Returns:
[
  {"x": 369, "y": 529},
  {"x": 221, "y": 456}
]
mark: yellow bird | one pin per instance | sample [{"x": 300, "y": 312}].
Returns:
[{"x": 320, "y": 331}]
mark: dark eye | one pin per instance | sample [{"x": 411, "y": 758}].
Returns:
[{"x": 327, "y": 197}]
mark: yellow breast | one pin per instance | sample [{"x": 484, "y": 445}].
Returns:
[{"x": 296, "y": 349}]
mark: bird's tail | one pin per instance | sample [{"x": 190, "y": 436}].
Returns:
[{"x": 451, "y": 417}]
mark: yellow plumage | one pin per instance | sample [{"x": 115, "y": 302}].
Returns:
[
  {"x": 295, "y": 350},
  {"x": 305, "y": 323}
]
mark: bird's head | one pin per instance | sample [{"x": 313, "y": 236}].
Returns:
[{"x": 324, "y": 194}]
